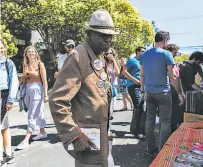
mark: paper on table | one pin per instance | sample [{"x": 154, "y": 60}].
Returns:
[{"x": 93, "y": 134}]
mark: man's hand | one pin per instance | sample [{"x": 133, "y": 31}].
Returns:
[
  {"x": 184, "y": 96},
  {"x": 110, "y": 57},
  {"x": 136, "y": 82},
  {"x": 9, "y": 106},
  {"x": 56, "y": 75},
  {"x": 143, "y": 95},
  {"x": 83, "y": 143},
  {"x": 46, "y": 99},
  {"x": 181, "y": 99}
]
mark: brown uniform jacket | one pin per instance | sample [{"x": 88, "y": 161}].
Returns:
[{"x": 76, "y": 101}]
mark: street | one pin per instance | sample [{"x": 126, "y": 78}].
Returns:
[{"x": 127, "y": 151}]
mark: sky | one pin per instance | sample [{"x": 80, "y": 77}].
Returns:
[{"x": 182, "y": 18}]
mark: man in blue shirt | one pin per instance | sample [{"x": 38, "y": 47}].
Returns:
[
  {"x": 132, "y": 73},
  {"x": 156, "y": 68}
]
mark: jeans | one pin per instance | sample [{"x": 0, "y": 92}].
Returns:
[
  {"x": 177, "y": 112},
  {"x": 163, "y": 101},
  {"x": 137, "y": 127}
]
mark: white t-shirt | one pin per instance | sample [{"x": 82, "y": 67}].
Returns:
[
  {"x": 61, "y": 60},
  {"x": 59, "y": 55}
]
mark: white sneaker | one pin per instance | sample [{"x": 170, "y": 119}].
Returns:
[
  {"x": 40, "y": 136},
  {"x": 22, "y": 145}
]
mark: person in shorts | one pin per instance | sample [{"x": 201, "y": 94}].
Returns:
[
  {"x": 123, "y": 89},
  {"x": 8, "y": 92}
]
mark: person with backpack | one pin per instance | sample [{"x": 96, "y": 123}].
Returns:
[
  {"x": 35, "y": 95},
  {"x": 8, "y": 91}
]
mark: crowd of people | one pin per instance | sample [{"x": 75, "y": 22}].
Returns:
[{"x": 88, "y": 79}]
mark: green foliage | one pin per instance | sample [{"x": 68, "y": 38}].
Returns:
[
  {"x": 134, "y": 31},
  {"x": 8, "y": 41},
  {"x": 63, "y": 19},
  {"x": 179, "y": 59}
]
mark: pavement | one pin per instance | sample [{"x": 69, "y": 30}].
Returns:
[{"x": 127, "y": 151}]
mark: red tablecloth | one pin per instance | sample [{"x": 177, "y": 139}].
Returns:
[{"x": 180, "y": 141}]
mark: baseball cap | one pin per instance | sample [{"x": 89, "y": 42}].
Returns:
[{"x": 69, "y": 42}]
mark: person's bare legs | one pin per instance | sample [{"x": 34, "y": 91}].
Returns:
[
  {"x": 125, "y": 103},
  {"x": 129, "y": 100},
  {"x": 6, "y": 136},
  {"x": 27, "y": 136},
  {"x": 42, "y": 131},
  {"x": 25, "y": 143}
]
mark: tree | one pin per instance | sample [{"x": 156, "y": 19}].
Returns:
[
  {"x": 179, "y": 59},
  {"x": 134, "y": 31},
  {"x": 56, "y": 20},
  {"x": 8, "y": 41}
]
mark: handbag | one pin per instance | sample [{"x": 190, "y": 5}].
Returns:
[
  {"x": 21, "y": 95},
  {"x": 137, "y": 125},
  {"x": 114, "y": 91}
]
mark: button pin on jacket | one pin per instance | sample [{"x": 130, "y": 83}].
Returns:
[
  {"x": 107, "y": 85},
  {"x": 100, "y": 84},
  {"x": 98, "y": 64},
  {"x": 103, "y": 76}
]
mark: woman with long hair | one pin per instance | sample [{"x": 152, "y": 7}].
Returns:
[
  {"x": 113, "y": 71},
  {"x": 35, "y": 95},
  {"x": 123, "y": 88},
  {"x": 8, "y": 91}
]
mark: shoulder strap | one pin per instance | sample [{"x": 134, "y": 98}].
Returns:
[
  {"x": 7, "y": 69},
  {"x": 40, "y": 72}
]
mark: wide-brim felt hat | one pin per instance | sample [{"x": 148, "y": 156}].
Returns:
[{"x": 102, "y": 22}]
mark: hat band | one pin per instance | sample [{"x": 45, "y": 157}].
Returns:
[{"x": 102, "y": 27}]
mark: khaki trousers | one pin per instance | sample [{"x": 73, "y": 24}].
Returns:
[{"x": 79, "y": 164}]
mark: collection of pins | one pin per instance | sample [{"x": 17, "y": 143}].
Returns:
[{"x": 98, "y": 65}]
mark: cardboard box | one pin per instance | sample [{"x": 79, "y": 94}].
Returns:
[{"x": 191, "y": 118}]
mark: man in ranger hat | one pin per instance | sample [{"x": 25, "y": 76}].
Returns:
[{"x": 80, "y": 98}]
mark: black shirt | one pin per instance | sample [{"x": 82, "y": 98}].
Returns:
[{"x": 187, "y": 75}]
